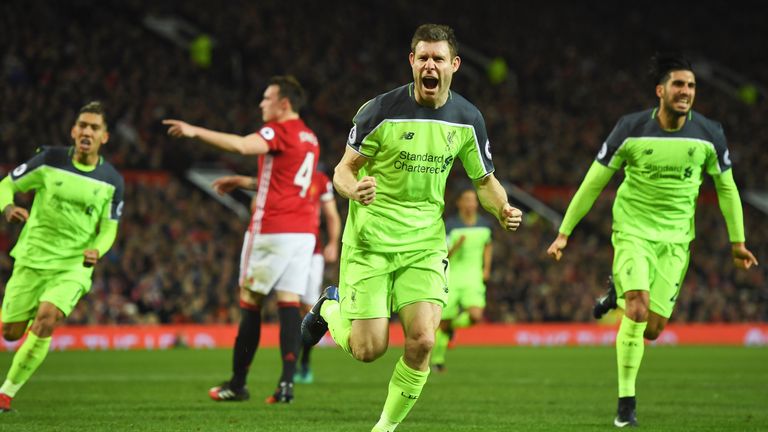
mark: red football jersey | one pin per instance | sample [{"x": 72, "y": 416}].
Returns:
[
  {"x": 320, "y": 191},
  {"x": 283, "y": 203}
]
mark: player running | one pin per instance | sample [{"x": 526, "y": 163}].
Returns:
[
  {"x": 394, "y": 258},
  {"x": 72, "y": 224},
  {"x": 665, "y": 151},
  {"x": 470, "y": 251}
]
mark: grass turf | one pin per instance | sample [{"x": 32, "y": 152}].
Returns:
[{"x": 485, "y": 389}]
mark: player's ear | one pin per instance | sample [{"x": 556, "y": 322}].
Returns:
[
  {"x": 456, "y": 63},
  {"x": 106, "y": 138},
  {"x": 285, "y": 104},
  {"x": 659, "y": 90}
]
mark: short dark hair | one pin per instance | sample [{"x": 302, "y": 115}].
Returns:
[
  {"x": 662, "y": 63},
  {"x": 94, "y": 107},
  {"x": 290, "y": 88},
  {"x": 435, "y": 33}
]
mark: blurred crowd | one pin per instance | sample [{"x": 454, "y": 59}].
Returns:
[{"x": 573, "y": 69}]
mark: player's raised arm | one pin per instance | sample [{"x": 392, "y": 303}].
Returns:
[
  {"x": 594, "y": 182},
  {"x": 252, "y": 144},
  {"x": 345, "y": 178},
  {"x": 493, "y": 198}
]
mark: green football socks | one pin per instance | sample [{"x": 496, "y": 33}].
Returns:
[
  {"x": 404, "y": 389},
  {"x": 25, "y": 362},
  {"x": 339, "y": 327},
  {"x": 629, "y": 353}
]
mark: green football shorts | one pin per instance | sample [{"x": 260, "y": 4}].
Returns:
[
  {"x": 463, "y": 296},
  {"x": 374, "y": 284},
  {"x": 28, "y": 287},
  {"x": 644, "y": 265}
]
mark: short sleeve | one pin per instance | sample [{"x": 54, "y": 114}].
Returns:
[{"x": 273, "y": 135}]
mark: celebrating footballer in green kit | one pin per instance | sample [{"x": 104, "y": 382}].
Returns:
[
  {"x": 72, "y": 224},
  {"x": 394, "y": 258},
  {"x": 665, "y": 151},
  {"x": 470, "y": 250}
]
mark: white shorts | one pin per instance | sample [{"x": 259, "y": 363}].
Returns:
[
  {"x": 315, "y": 285},
  {"x": 276, "y": 261}
]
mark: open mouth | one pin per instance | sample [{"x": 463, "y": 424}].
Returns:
[{"x": 430, "y": 83}]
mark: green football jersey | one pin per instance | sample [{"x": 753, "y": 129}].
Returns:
[
  {"x": 467, "y": 260},
  {"x": 663, "y": 173},
  {"x": 410, "y": 150},
  {"x": 69, "y": 204}
]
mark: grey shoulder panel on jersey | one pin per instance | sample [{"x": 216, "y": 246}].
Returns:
[
  {"x": 399, "y": 104},
  {"x": 627, "y": 126},
  {"x": 36, "y": 161},
  {"x": 712, "y": 131},
  {"x": 61, "y": 158}
]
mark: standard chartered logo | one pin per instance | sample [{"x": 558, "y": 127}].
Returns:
[{"x": 423, "y": 163}]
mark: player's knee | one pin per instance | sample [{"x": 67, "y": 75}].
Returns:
[
  {"x": 445, "y": 325},
  {"x": 45, "y": 321},
  {"x": 637, "y": 311},
  {"x": 476, "y": 317},
  {"x": 13, "y": 333},
  {"x": 653, "y": 333},
  {"x": 420, "y": 345},
  {"x": 367, "y": 353},
  {"x": 43, "y": 327},
  {"x": 250, "y": 298}
]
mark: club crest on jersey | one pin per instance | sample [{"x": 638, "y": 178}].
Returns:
[
  {"x": 267, "y": 133},
  {"x": 21, "y": 169},
  {"x": 451, "y": 135}
]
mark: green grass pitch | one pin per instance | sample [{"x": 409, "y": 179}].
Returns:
[{"x": 485, "y": 389}]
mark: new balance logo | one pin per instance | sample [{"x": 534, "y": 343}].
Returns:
[
  {"x": 407, "y": 136},
  {"x": 409, "y": 396},
  {"x": 59, "y": 183},
  {"x": 648, "y": 151}
]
